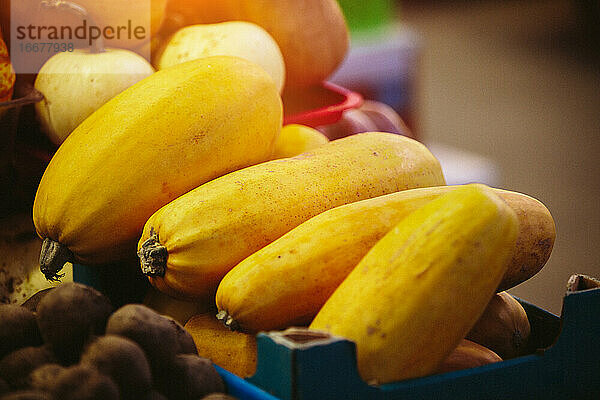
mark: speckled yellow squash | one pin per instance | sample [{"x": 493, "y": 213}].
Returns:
[
  {"x": 296, "y": 139},
  {"x": 160, "y": 138},
  {"x": 191, "y": 243},
  {"x": 419, "y": 290},
  {"x": 297, "y": 273}
]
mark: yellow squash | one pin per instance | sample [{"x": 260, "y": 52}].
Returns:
[
  {"x": 191, "y": 243},
  {"x": 158, "y": 139},
  {"x": 296, "y": 139},
  {"x": 297, "y": 273},
  {"x": 419, "y": 290}
]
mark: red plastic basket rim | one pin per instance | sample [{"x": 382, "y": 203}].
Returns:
[{"x": 328, "y": 114}]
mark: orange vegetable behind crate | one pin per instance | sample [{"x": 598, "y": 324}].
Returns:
[
  {"x": 234, "y": 351},
  {"x": 468, "y": 354}
]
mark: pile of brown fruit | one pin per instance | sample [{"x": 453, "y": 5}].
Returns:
[{"x": 69, "y": 343}]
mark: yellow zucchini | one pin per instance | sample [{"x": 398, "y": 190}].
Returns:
[
  {"x": 297, "y": 273},
  {"x": 160, "y": 138},
  {"x": 296, "y": 139},
  {"x": 419, "y": 290},
  {"x": 191, "y": 243}
]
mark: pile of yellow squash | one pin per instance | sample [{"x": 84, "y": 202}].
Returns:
[{"x": 360, "y": 236}]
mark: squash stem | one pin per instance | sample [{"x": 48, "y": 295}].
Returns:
[
  {"x": 153, "y": 256},
  {"x": 228, "y": 320},
  {"x": 53, "y": 257}
]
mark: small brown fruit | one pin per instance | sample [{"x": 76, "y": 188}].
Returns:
[
  {"x": 124, "y": 361},
  {"x": 44, "y": 377},
  {"x": 16, "y": 366},
  {"x": 184, "y": 338},
  {"x": 155, "y": 334},
  {"x": 18, "y": 328},
  {"x": 69, "y": 316},
  {"x": 189, "y": 377},
  {"x": 83, "y": 382}
]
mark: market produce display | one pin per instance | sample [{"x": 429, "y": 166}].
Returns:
[
  {"x": 74, "y": 345},
  {"x": 239, "y": 223}
]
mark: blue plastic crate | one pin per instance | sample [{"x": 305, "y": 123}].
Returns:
[
  {"x": 564, "y": 363},
  {"x": 563, "y": 360}
]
